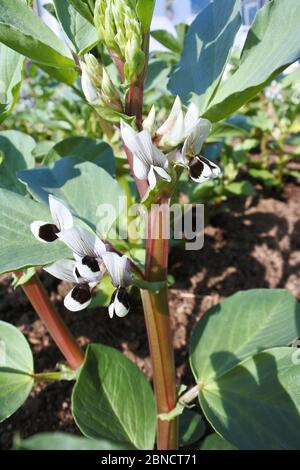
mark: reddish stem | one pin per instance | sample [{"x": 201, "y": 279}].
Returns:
[
  {"x": 158, "y": 324},
  {"x": 59, "y": 332},
  {"x": 156, "y": 307}
]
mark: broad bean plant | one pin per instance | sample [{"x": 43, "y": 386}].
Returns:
[{"x": 94, "y": 211}]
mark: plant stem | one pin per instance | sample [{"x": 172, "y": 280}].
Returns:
[
  {"x": 59, "y": 332},
  {"x": 156, "y": 307},
  {"x": 156, "y": 310}
]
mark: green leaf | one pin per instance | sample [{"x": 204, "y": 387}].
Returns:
[
  {"x": 86, "y": 148},
  {"x": 67, "y": 76},
  {"x": 167, "y": 39},
  {"x": 82, "y": 35},
  {"x": 103, "y": 294},
  {"x": 16, "y": 369},
  {"x": 22, "y": 30},
  {"x": 25, "y": 277},
  {"x": 19, "y": 248},
  {"x": 205, "y": 53},
  {"x": 10, "y": 79},
  {"x": 273, "y": 43},
  {"x": 191, "y": 427},
  {"x": 255, "y": 405},
  {"x": 264, "y": 175},
  {"x": 146, "y": 285},
  {"x": 82, "y": 6},
  {"x": 240, "y": 326},
  {"x": 144, "y": 10},
  {"x": 113, "y": 400},
  {"x": 64, "y": 441},
  {"x": 17, "y": 149},
  {"x": 216, "y": 442},
  {"x": 240, "y": 188},
  {"x": 98, "y": 203},
  {"x": 225, "y": 130},
  {"x": 42, "y": 148}
]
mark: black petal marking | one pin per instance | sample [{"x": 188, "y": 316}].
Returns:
[
  {"x": 48, "y": 232},
  {"x": 196, "y": 167},
  {"x": 77, "y": 273},
  {"x": 81, "y": 293},
  {"x": 123, "y": 297},
  {"x": 91, "y": 263},
  {"x": 211, "y": 165}
]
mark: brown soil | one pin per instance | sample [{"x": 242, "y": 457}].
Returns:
[{"x": 256, "y": 243}]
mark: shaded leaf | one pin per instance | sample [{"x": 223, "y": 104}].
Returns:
[
  {"x": 216, "y": 442},
  {"x": 242, "y": 325},
  {"x": 98, "y": 202},
  {"x": 16, "y": 149},
  {"x": 64, "y": 441},
  {"x": 255, "y": 405},
  {"x": 16, "y": 369},
  {"x": 112, "y": 399},
  {"x": 19, "y": 248}
]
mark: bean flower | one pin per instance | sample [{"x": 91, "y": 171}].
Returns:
[
  {"x": 91, "y": 261},
  {"x": 87, "y": 250},
  {"x": 80, "y": 295},
  {"x": 62, "y": 218},
  {"x": 118, "y": 268},
  {"x": 190, "y": 130},
  {"x": 149, "y": 163}
]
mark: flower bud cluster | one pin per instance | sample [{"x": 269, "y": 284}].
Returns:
[{"x": 120, "y": 30}]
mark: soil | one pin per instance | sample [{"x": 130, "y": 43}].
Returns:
[{"x": 255, "y": 243}]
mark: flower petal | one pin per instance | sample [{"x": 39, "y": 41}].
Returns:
[
  {"x": 162, "y": 173},
  {"x": 120, "y": 304},
  {"x": 82, "y": 242},
  {"x": 175, "y": 134},
  {"x": 198, "y": 134},
  {"x": 149, "y": 122},
  {"x": 201, "y": 169},
  {"x": 191, "y": 118},
  {"x": 60, "y": 212},
  {"x": 152, "y": 178},
  {"x": 78, "y": 298},
  {"x": 117, "y": 266},
  {"x": 44, "y": 231},
  {"x": 129, "y": 136},
  {"x": 63, "y": 269},
  {"x": 171, "y": 119},
  {"x": 215, "y": 169},
  {"x": 140, "y": 169},
  {"x": 88, "y": 88},
  {"x": 89, "y": 269}
]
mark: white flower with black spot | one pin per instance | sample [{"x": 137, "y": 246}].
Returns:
[
  {"x": 62, "y": 219},
  {"x": 80, "y": 295},
  {"x": 118, "y": 268},
  {"x": 88, "y": 250}
]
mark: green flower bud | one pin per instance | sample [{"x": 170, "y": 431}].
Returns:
[
  {"x": 94, "y": 70},
  {"x": 110, "y": 94},
  {"x": 120, "y": 30},
  {"x": 97, "y": 87},
  {"x": 134, "y": 59}
]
